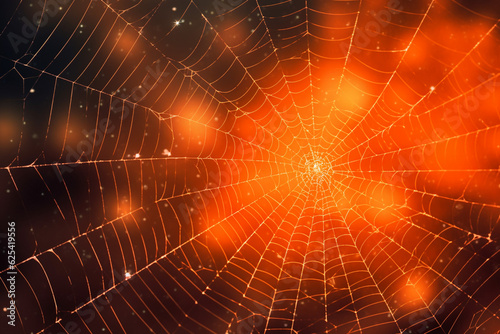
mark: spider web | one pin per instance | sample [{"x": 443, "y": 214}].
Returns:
[{"x": 251, "y": 166}]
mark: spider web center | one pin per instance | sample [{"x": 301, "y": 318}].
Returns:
[{"x": 316, "y": 170}]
